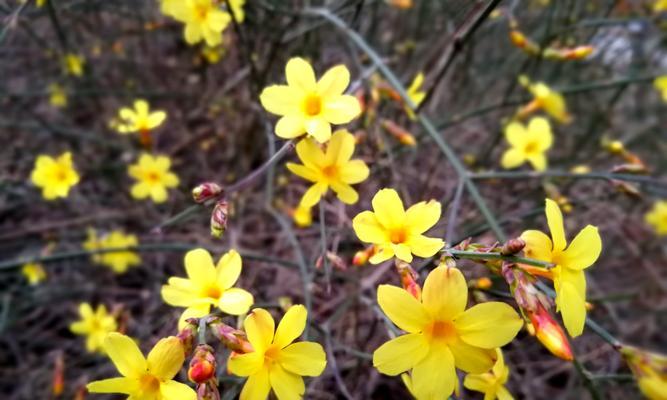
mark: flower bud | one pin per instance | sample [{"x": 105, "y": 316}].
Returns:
[
  {"x": 400, "y": 133},
  {"x": 334, "y": 260},
  {"x": 409, "y": 279},
  {"x": 202, "y": 365},
  {"x": 650, "y": 370},
  {"x": 550, "y": 334},
  {"x": 206, "y": 191},
  {"x": 219, "y": 218},
  {"x": 513, "y": 246},
  {"x": 361, "y": 257},
  {"x": 234, "y": 339},
  {"x": 482, "y": 283},
  {"x": 58, "y": 382},
  {"x": 208, "y": 391},
  {"x": 188, "y": 333}
]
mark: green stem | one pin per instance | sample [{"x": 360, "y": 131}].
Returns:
[
  {"x": 566, "y": 174},
  {"x": 473, "y": 255}
]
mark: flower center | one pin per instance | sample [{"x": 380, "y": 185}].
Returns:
[
  {"x": 149, "y": 384},
  {"x": 531, "y": 147},
  {"x": 271, "y": 354},
  {"x": 330, "y": 171},
  {"x": 152, "y": 177},
  {"x": 213, "y": 291},
  {"x": 312, "y": 105},
  {"x": 398, "y": 235},
  {"x": 442, "y": 331},
  {"x": 201, "y": 12},
  {"x": 61, "y": 175}
]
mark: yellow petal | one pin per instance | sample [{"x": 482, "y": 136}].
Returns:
[
  {"x": 572, "y": 308},
  {"x": 488, "y": 325},
  {"x": 435, "y": 377},
  {"x": 422, "y": 216},
  {"x": 235, "y": 301},
  {"x": 199, "y": 267},
  {"x": 300, "y": 75},
  {"x": 259, "y": 327},
  {"x": 257, "y": 387},
  {"x": 388, "y": 208},
  {"x": 166, "y": 358},
  {"x": 194, "y": 311},
  {"x": 310, "y": 154},
  {"x": 540, "y": 128},
  {"x": 125, "y": 355},
  {"x": 303, "y": 171},
  {"x": 228, "y": 269},
  {"x": 334, "y": 81},
  {"x": 445, "y": 293},
  {"x": 114, "y": 385},
  {"x": 512, "y": 158},
  {"x": 304, "y": 358},
  {"x": 503, "y": 394},
  {"x": 477, "y": 382},
  {"x": 368, "y": 228},
  {"x": 402, "y": 309},
  {"x": 538, "y": 161},
  {"x": 400, "y": 354},
  {"x": 156, "y": 119},
  {"x": 555, "y": 222},
  {"x": 538, "y": 245},
  {"x": 423, "y": 246},
  {"x": 85, "y": 310},
  {"x": 178, "y": 297},
  {"x": 172, "y": 390},
  {"x": 345, "y": 192},
  {"x": 353, "y": 171},
  {"x": 290, "y": 126},
  {"x": 402, "y": 252},
  {"x": 286, "y": 385},
  {"x": 291, "y": 326},
  {"x": 245, "y": 364},
  {"x": 516, "y": 134},
  {"x": 383, "y": 254},
  {"x": 318, "y": 128},
  {"x": 340, "y": 148},
  {"x": 313, "y": 195},
  {"x": 472, "y": 359},
  {"x": 341, "y": 109},
  {"x": 281, "y": 100},
  {"x": 584, "y": 249}
]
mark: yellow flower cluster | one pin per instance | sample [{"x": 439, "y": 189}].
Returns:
[{"x": 118, "y": 261}]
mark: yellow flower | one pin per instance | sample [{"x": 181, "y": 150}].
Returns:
[
  {"x": 208, "y": 285},
  {"x": 330, "y": 169},
  {"x": 139, "y": 119},
  {"x": 214, "y": 54},
  {"x": 302, "y": 216},
  {"x": 491, "y": 383},
  {"x": 415, "y": 93},
  {"x": 153, "y": 176},
  {"x": 57, "y": 95},
  {"x": 95, "y": 325},
  {"x": 277, "y": 363},
  {"x": 529, "y": 144},
  {"x": 118, "y": 261},
  {"x": 650, "y": 370},
  {"x": 40, "y": 3},
  {"x": 33, "y": 272},
  {"x": 441, "y": 333},
  {"x": 660, "y": 5},
  {"x": 54, "y": 175},
  {"x": 73, "y": 64},
  {"x": 237, "y": 9},
  {"x": 396, "y": 231},
  {"x": 660, "y": 82},
  {"x": 657, "y": 217},
  {"x": 203, "y": 19},
  {"x": 310, "y": 106},
  {"x": 144, "y": 379},
  {"x": 568, "y": 275},
  {"x": 547, "y": 99}
]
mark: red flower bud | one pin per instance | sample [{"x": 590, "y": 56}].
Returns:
[
  {"x": 202, "y": 365},
  {"x": 550, "y": 334},
  {"x": 206, "y": 191}
]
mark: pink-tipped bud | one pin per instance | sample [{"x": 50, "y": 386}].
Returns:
[
  {"x": 400, "y": 133},
  {"x": 202, "y": 366},
  {"x": 232, "y": 338},
  {"x": 206, "y": 191},
  {"x": 513, "y": 246},
  {"x": 409, "y": 279},
  {"x": 58, "y": 382},
  {"x": 219, "y": 218},
  {"x": 550, "y": 334},
  {"x": 361, "y": 257},
  {"x": 187, "y": 334},
  {"x": 208, "y": 391}
]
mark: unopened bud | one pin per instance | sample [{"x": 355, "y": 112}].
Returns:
[
  {"x": 550, "y": 334},
  {"x": 334, "y": 259},
  {"x": 302, "y": 216},
  {"x": 409, "y": 279},
  {"x": 627, "y": 188},
  {"x": 234, "y": 339},
  {"x": 482, "y": 283},
  {"x": 361, "y": 257},
  {"x": 188, "y": 333},
  {"x": 615, "y": 147},
  {"x": 285, "y": 303},
  {"x": 206, "y": 191},
  {"x": 513, "y": 246},
  {"x": 400, "y": 133},
  {"x": 579, "y": 52},
  {"x": 219, "y": 218},
  {"x": 208, "y": 391},
  {"x": 58, "y": 382},
  {"x": 202, "y": 366},
  {"x": 634, "y": 168},
  {"x": 80, "y": 393}
]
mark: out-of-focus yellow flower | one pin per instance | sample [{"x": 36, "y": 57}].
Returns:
[
  {"x": 650, "y": 369},
  {"x": 396, "y": 231},
  {"x": 528, "y": 144},
  {"x": 139, "y": 119},
  {"x": 33, "y": 272},
  {"x": 330, "y": 169},
  {"x": 568, "y": 275},
  {"x": 213, "y": 54},
  {"x": 144, "y": 379},
  {"x": 277, "y": 363},
  {"x": 402, "y": 4},
  {"x": 73, "y": 64},
  {"x": 310, "y": 106},
  {"x": 203, "y": 19},
  {"x": 415, "y": 93},
  {"x": 237, "y": 9},
  {"x": 153, "y": 176},
  {"x": 581, "y": 169},
  {"x": 547, "y": 99},
  {"x": 208, "y": 285},
  {"x": 441, "y": 333},
  {"x": 118, "y": 261},
  {"x": 40, "y": 3},
  {"x": 57, "y": 95},
  {"x": 302, "y": 216},
  {"x": 95, "y": 325},
  {"x": 491, "y": 383},
  {"x": 660, "y": 83},
  {"x": 660, "y": 5},
  {"x": 657, "y": 217},
  {"x": 55, "y": 176}
]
